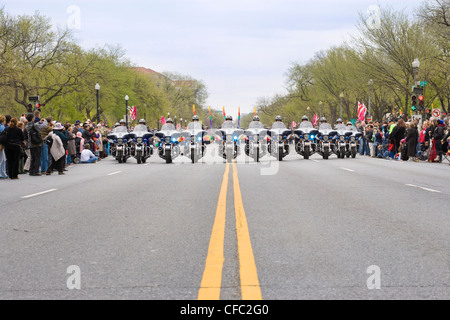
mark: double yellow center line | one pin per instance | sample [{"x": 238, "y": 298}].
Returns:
[{"x": 212, "y": 276}]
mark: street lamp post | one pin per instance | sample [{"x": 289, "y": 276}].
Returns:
[
  {"x": 97, "y": 88},
  {"x": 341, "y": 97},
  {"x": 126, "y": 110},
  {"x": 416, "y": 66}
]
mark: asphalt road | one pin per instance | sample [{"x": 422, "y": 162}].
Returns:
[{"x": 295, "y": 230}]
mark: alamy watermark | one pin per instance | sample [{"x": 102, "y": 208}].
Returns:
[
  {"x": 74, "y": 280},
  {"x": 74, "y": 19},
  {"x": 374, "y": 17},
  {"x": 374, "y": 280}
]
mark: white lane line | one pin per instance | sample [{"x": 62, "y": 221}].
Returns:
[
  {"x": 38, "y": 194},
  {"x": 350, "y": 170},
  {"x": 114, "y": 173},
  {"x": 426, "y": 189}
]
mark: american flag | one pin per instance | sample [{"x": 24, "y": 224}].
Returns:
[
  {"x": 315, "y": 120},
  {"x": 133, "y": 113},
  {"x": 362, "y": 110}
]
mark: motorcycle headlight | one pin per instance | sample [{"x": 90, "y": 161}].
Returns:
[
  {"x": 139, "y": 140},
  {"x": 256, "y": 138},
  {"x": 120, "y": 141},
  {"x": 342, "y": 138},
  {"x": 280, "y": 138},
  {"x": 192, "y": 139},
  {"x": 353, "y": 139},
  {"x": 229, "y": 138},
  {"x": 167, "y": 139},
  {"x": 326, "y": 138}
]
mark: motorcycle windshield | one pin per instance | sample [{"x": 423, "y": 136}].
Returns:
[
  {"x": 120, "y": 129},
  {"x": 228, "y": 125},
  {"x": 341, "y": 127},
  {"x": 140, "y": 128},
  {"x": 278, "y": 125},
  {"x": 168, "y": 127},
  {"x": 256, "y": 125},
  {"x": 306, "y": 125},
  {"x": 325, "y": 126},
  {"x": 352, "y": 128},
  {"x": 195, "y": 126}
]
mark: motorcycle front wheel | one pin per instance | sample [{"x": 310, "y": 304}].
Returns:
[
  {"x": 326, "y": 153},
  {"x": 306, "y": 153},
  {"x": 280, "y": 153},
  {"x": 168, "y": 156},
  {"x": 256, "y": 155},
  {"x": 194, "y": 157},
  {"x": 139, "y": 157}
]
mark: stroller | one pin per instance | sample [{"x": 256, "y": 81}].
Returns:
[{"x": 77, "y": 159}]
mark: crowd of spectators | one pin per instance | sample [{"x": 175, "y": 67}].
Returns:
[
  {"x": 35, "y": 146},
  {"x": 406, "y": 140}
]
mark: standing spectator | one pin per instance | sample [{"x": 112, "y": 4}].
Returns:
[
  {"x": 369, "y": 138},
  {"x": 62, "y": 134},
  {"x": 14, "y": 148},
  {"x": 423, "y": 144},
  {"x": 377, "y": 142},
  {"x": 398, "y": 134},
  {"x": 21, "y": 126},
  {"x": 57, "y": 151},
  {"x": 79, "y": 143},
  {"x": 412, "y": 137},
  {"x": 3, "y": 174},
  {"x": 438, "y": 136},
  {"x": 33, "y": 130},
  {"x": 71, "y": 148},
  {"x": 45, "y": 152}
]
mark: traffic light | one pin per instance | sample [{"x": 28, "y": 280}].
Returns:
[
  {"x": 30, "y": 108},
  {"x": 421, "y": 102},
  {"x": 414, "y": 102}
]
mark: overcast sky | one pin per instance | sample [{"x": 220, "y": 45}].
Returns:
[{"x": 241, "y": 49}]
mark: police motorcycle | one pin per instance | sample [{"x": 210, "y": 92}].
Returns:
[
  {"x": 195, "y": 147},
  {"x": 353, "y": 142},
  {"x": 119, "y": 140},
  {"x": 169, "y": 142},
  {"x": 255, "y": 140},
  {"x": 142, "y": 144},
  {"x": 279, "y": 139},
  {"x": 305, "y": 138},
  {"x": 229, "y": 140},
  {"x": 326, "y": 136},
  {"x": 341, "y": 143}
]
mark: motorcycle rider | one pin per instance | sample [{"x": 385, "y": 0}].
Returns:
[{"x": 339, "y": 122}]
